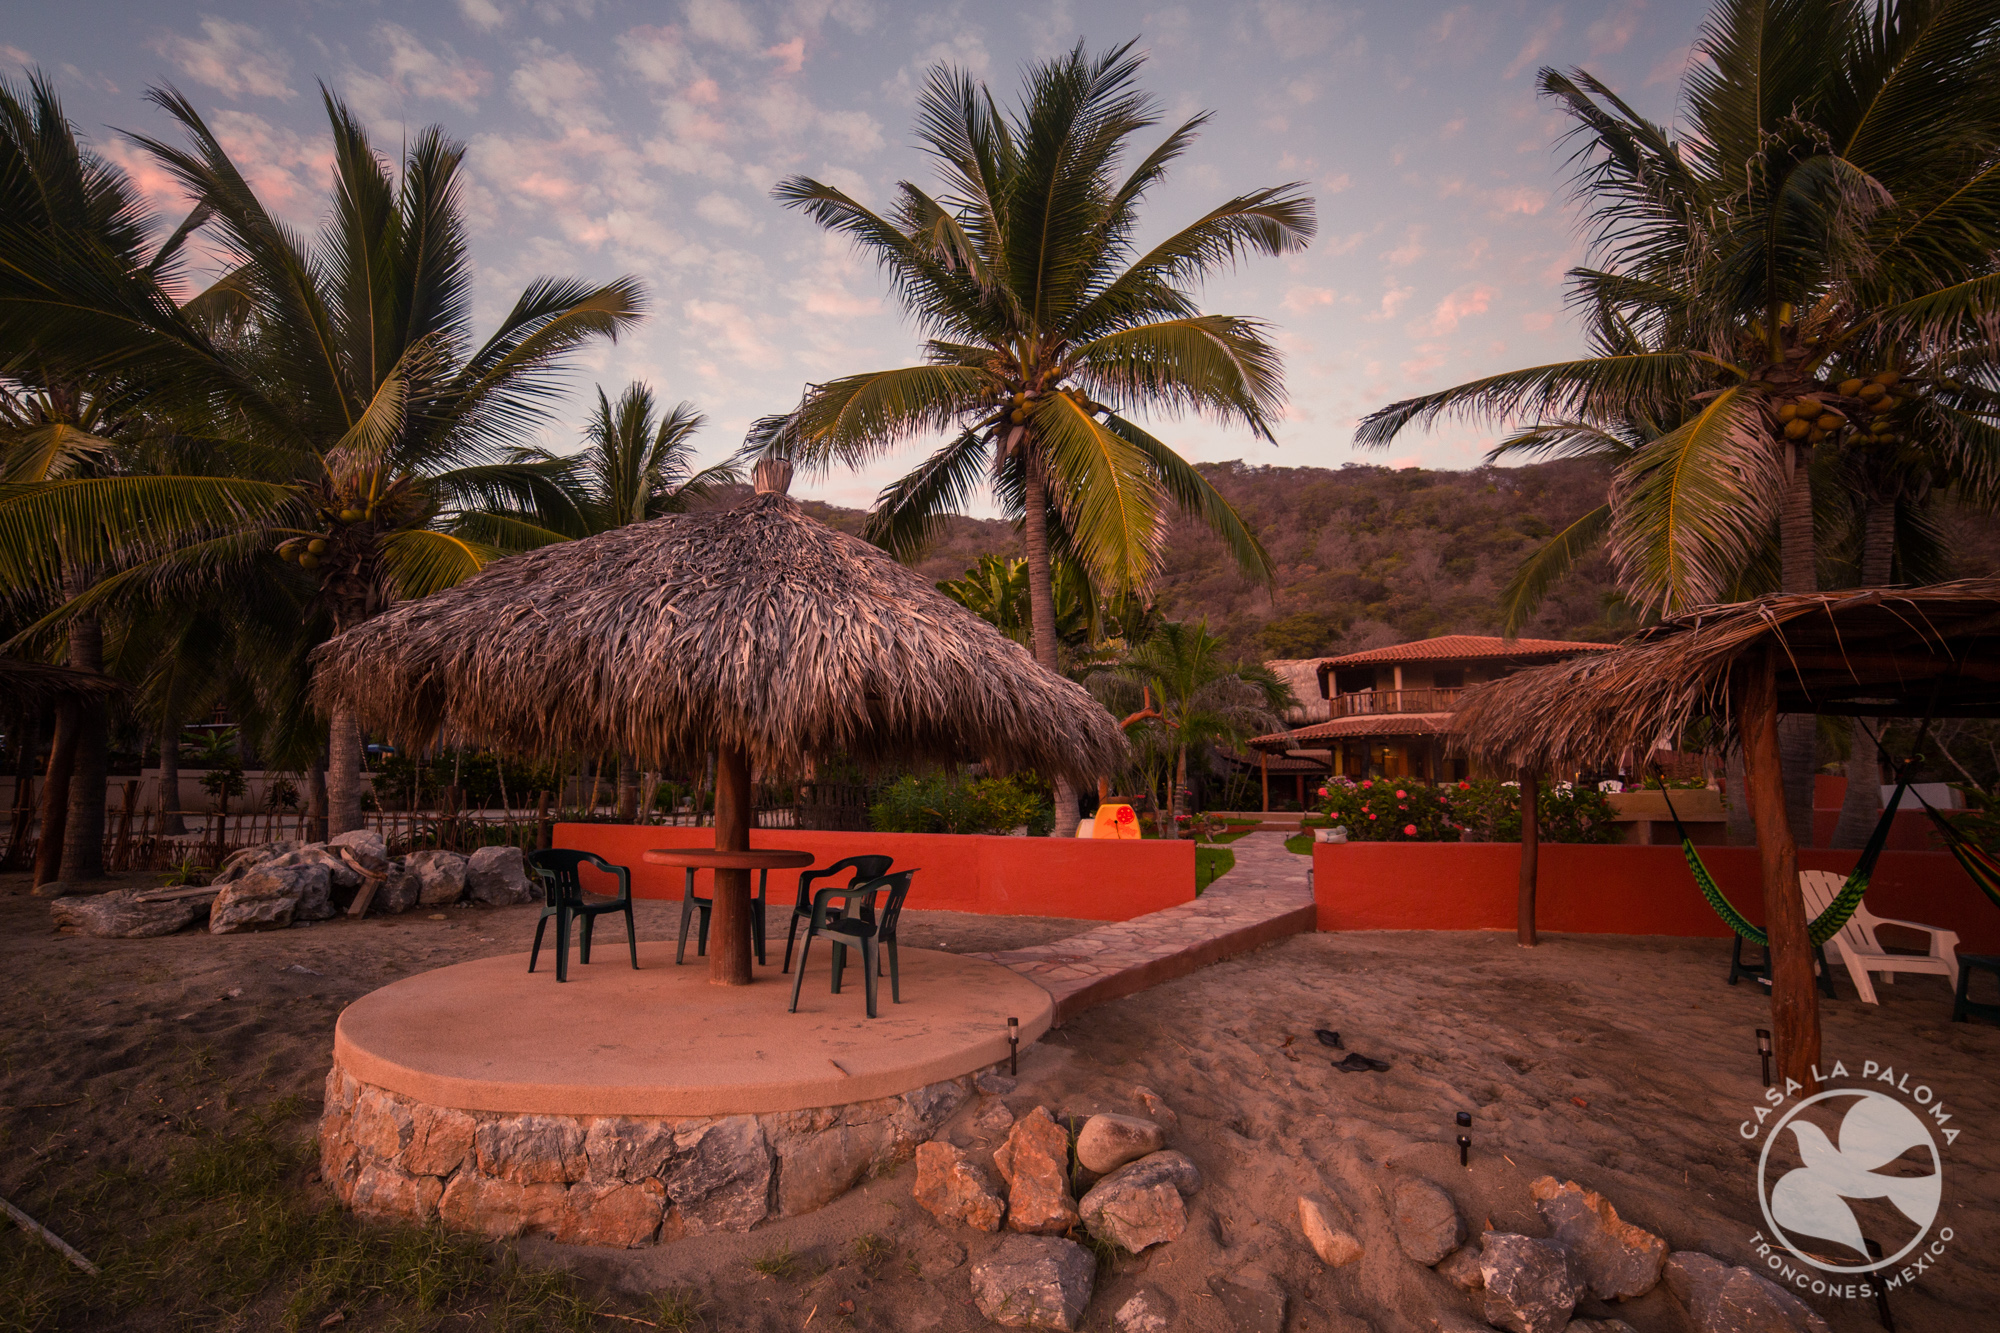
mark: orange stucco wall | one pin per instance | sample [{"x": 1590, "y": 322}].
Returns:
[
  {"x": 1612, "y": 890},
  {"x": 1064, "y": 877}
]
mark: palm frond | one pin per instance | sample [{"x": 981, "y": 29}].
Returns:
[{"x": 1548, "y": 566}]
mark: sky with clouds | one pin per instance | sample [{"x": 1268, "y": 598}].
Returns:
[{"x": 610, "y": 136}]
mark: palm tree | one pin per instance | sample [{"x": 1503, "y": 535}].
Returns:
[
  {"x": 636, "y": 464},
  {"x": 1048, "y": 329},
  {"x": 996, "y": 589},
  {"x": 369, "y": 436},
  {"x": 1805, "y": 270},
  {"x": 1199, "y": 698}
]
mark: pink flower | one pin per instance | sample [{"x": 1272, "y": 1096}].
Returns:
[
  {"x": 1402, "y": 807},
  {"x": 1465, "y": 786},
  {"x": 1371, "y": 816},
  {"x": 1322, "y": 791},
  {"x": 1402, "y": 795},
  {"x": 1409, "y": 830},
  {"x": 1367, "y": 782}
]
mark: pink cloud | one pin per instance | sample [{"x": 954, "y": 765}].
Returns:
[
  {"x": 1538, "y": 321},
  {"x": 1610, "y": 33},
  {"x": 1537, "y": 45},
  {"x": 791, "y": 56},
  {"x": 1459, "y": 305}
]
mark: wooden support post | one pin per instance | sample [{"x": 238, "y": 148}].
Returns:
[
  {"x": 729, "y": 954},
  {"x": 1531, "y": 847},
  {"x": 121, "y": 850},
  {"x": 1264, "y": 767},
  {"x": 1794, "y": 1002}
]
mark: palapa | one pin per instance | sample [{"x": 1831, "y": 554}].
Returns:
[
  {"x": 1866, "y": 651},
  {"x": 755, "y": 627},
  {"x": 1926, "y": 651},
  {"x": 756, "y": 633}
]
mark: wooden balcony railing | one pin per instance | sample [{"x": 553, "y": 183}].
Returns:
[{"x": 1364, "y": 702}]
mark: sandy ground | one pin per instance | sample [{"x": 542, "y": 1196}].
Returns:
[{"x": 1624, "y": 1064}]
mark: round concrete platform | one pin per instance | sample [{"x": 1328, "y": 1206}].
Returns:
[{"x": 661, "y": 1041}]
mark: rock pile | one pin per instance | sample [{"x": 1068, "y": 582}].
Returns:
[
  {"x": 279, "y": 883},
  {"x": 1132, "y": 1186}
]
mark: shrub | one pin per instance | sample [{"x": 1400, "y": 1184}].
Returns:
[
  {"x": 945, "y": 803},
  {"x": 1402, "y": 810}
]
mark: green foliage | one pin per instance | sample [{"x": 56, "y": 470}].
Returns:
[
  {"x": 1211, "y": 864},
  {"x": 945, "y": 803},
  {"x": 1302, "y": 634},
  {"x": 400, "y": 777},
  {"x": 1404, "y": 810}
]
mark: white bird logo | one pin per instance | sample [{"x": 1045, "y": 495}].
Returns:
[{"x": 1877, "y": 1130}]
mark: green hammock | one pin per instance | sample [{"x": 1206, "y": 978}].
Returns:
[
  {"x": 1828, "y": 923},
  {"x": 1980, "y": 865}
]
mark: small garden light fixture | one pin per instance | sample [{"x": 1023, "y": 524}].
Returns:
[
  {"x": 1764, "y": 1052},
  {"x": 1464, "y": 1139},
  {"x": 1013, "y": 1046}
]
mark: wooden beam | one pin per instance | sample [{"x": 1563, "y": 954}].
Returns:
[
  {"x": 729, "y": 954},
  {"x": 1794, "y": 1001},
  {"x": 1531, "y": 845},
  {"x": 1264, "y": 766}
]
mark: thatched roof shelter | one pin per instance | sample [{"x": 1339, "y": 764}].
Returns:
[
  {"x": 1866, "y": 651},
  {"x": 754, "y": 628}
]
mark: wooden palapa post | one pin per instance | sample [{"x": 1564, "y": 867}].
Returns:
[
  {"x": 729, "y": 956},
  {"x": 1264, "y": 767},
  {"x": 1531, "y": 846},
  {"x": 1794, "y": 1003}
]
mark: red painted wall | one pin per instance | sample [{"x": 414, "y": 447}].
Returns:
[
  {"x": 1079, "y": 878},
  {"x": 1911, "y": 830},
  {"x": 1613, "y": 890}
]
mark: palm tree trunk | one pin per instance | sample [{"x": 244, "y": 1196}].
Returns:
[
  {"x": 1798, "y": 740},
  {"x": 27, "y": 744},
  {"x": 1861, "y": 807},
  {"x": 1794, "y": 1001},
  {"x": 1042, "y": 618},
  {"x": 83, "y": 830},
  {"x": 343, "y": 772},
  {"x": 171, "y": 823},
  {"x": 55, "y": 795},
  {"x": 316, "y": 800},
  {"x": 628, "y": 789},
  {"x": 1180, "y": 786}
]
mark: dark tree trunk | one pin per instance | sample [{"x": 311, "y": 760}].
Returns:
[
  {"x": 1531, "y": 844},
  {"x": 343, "y": 772},
  {"x": 1042, "y": 620},
  {"x": 55, "y": 795},
  {"x": 171, "y": 823},
  {"x": 628, "y": 789},
  {"x": 27, "y": 746},
  {"x": 316, "y": 803},
  {"x": 729, "y": 956},
  {"x": 83, "y": 829},
  {"x": 1861, "y": 807},
  {"x": 1794, "y": 1001},
  {"x": 1798, "y": 740}
]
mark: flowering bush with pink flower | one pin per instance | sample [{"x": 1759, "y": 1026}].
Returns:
[{"x": 1481, "y": 810}]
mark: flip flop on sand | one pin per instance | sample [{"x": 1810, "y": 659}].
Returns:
[
  {"x": 1328, "y": 1038},
  {"x": 1358, "y": 1063}
]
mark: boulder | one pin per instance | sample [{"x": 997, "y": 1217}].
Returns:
[
  {"x": 1107, "y": 1142},
  {"x": 1157, "y": 1110},
  {"x": 1148, "y": 1310},
  {"x": 1139, "y": 1204},
  {"x": 498, "y": 877},
  {"x": 1251, "y": 1301},
  {"x": 1600, "y": 1326},
  {"x": 242, "y": 862},
  {"x": 1618, "y": 1260},
  {"x": 260, "y": 900},
  {"x": 994, "y": 1083},
  {"x": 720, "y": 1176},
  {"x": 1427, "y": 1222},
  {"x": 1722, "y": 1299},
  {"x": 1530, "y": 1286},
  {"x": 114, "y": 916},
  {"x": 440, "y": 875},
  {"x": 1035, "y": 1282},
  {"x": 342, "y": 877},
  {"x": 1034, "y": 1161},
  {"x": 953, "y": 1187},
  {"x": 315, "y": 887},
  {"x": 366, "y": 847},
  {"x": 1335, "y": 1246},
  {"x": 401, "y": 890},
  {"x": 1461, "y": 1268},
  {"x": 993, "y": 1119}
]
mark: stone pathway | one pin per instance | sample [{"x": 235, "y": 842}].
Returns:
[{"x": 1264, "y": 898}]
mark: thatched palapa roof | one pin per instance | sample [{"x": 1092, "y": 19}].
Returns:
[
  {"x": 755, "y": 626},
  {"x": 1865, "y": 651}
]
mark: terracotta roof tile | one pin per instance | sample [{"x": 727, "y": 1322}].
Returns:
[
  {"x": 1463, "y": 648},
  {"x": 1355, "y": 728}
]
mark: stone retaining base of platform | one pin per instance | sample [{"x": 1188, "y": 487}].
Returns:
[{"x": 609, "y": 1180}]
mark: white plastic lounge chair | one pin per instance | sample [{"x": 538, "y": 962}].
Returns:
[{"x": 1858, "y": 948}]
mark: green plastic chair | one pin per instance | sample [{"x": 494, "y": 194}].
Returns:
[
  {"x": 564, "y": 899},
  {"x": 693, "y": 905},
  {"x": 848, "y": 928},
  {"x": 864, "y": 867}
]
